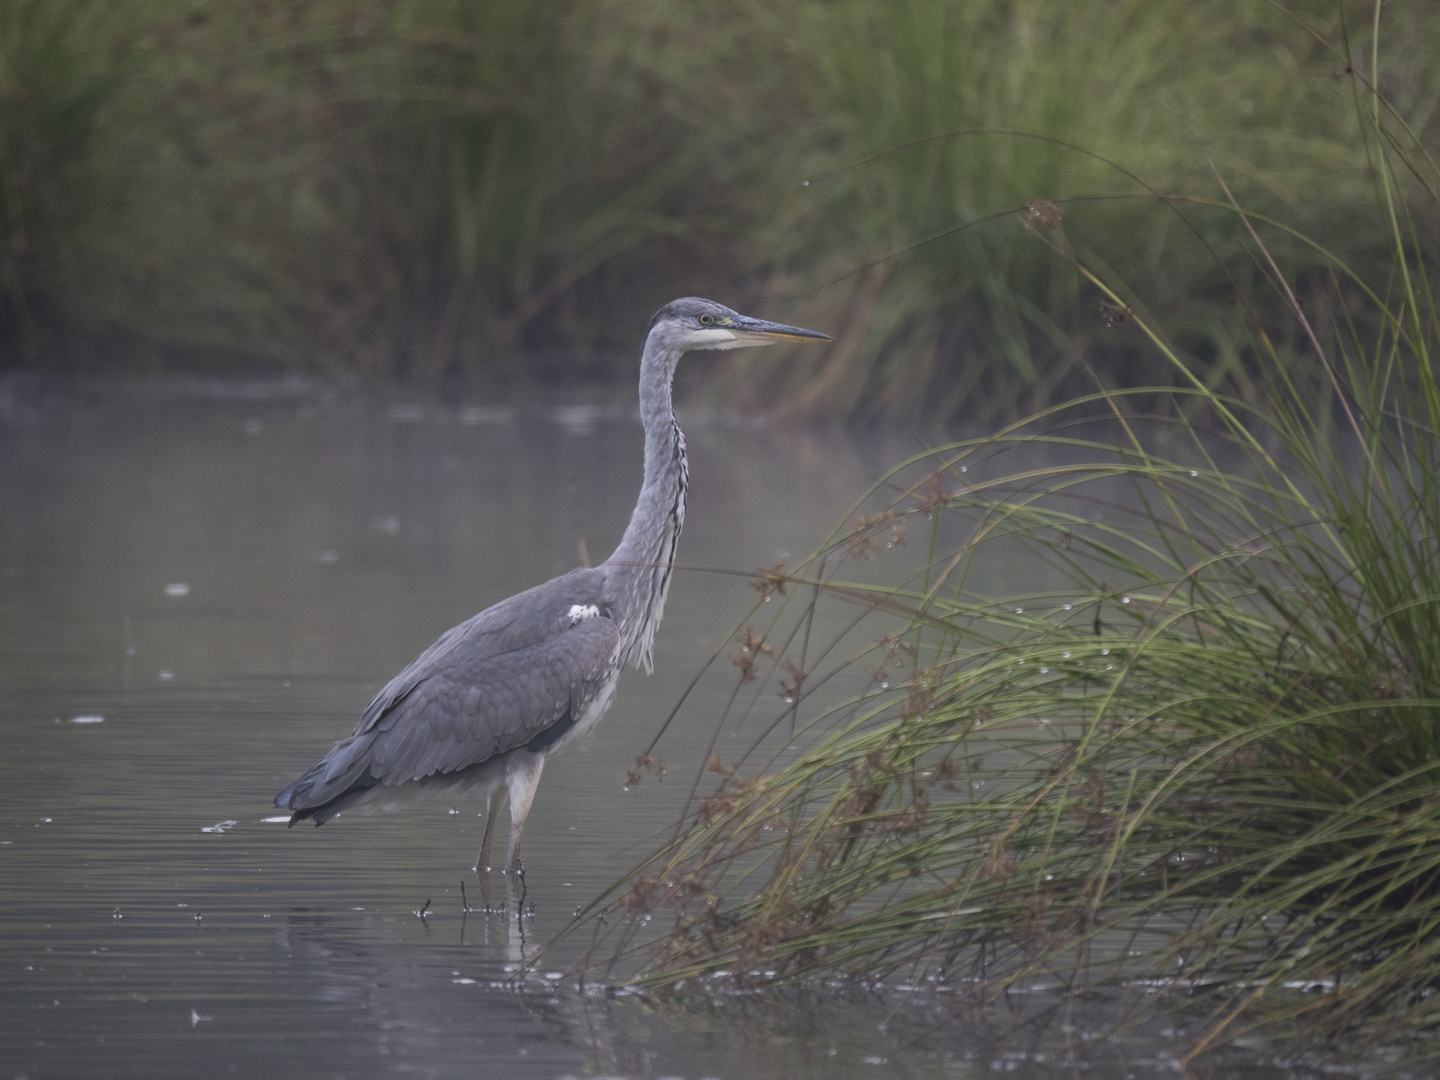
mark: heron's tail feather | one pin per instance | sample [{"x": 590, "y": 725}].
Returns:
[{"x": 331, "y": 784}]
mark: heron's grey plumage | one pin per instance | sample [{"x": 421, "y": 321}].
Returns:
[{"x": 485, "y": 704}]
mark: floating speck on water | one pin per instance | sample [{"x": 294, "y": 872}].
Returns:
[
  {"x": 46, "y": 820},
  {"x": 452, "y": 811},
  {"x": 219, "y": 826},
  {"x": 1019, "y": 611},
  {"x": 471, "y": 415},
  {"x": 1194, "y": 472},
  {"x": 804, "y": 183},
  {"x": 463, "y": 982},
  {"x": 767, "y": 599},
  {"x": 177, "y": 588},
  {"x": 327, "y": 557},
  {"x": 1104, "y": 652},
  {"x": 165, "y": 676},
  {"x": 1064, "y": 656},
  {"x": 1044, "y": 671},
  {"x": 1124, "y": 599},
  {"x": 884, "y": 686},
  {"x": 1068, "y": 606},
  {"x": 875, "y": 1059},
  {"x": 88, "y": 719},
  {"x": 964, "y": 468}
]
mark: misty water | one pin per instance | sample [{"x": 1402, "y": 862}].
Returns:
[{"x": 201, "y": 587}]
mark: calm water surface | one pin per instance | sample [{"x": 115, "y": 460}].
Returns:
[{"x": 201, "y": 586}]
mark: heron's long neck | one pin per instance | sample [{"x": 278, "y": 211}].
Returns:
[{"x": 639, "y": 571}]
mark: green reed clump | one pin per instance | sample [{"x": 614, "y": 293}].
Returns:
[
  {"x": 1199, "y": 759},
  {"x": 1058, "y": 113},
  {"x": 399, "y": 188}
]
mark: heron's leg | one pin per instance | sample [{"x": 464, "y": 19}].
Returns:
[
  {"x": 522, "y": 777},
  {"x": 494, "y": 804}
]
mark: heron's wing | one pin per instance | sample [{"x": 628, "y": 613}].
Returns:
[
  {"x": 492, "y": 684},
  {"x": 470, "y": 710},
  {"x": 525, "y": 620}
]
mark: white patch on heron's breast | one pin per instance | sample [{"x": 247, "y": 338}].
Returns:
[{"x": 580, "y": 612}]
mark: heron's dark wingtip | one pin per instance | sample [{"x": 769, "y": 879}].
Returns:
[
  {"x": 285, "y": 801},
  {"x": 300, "y": 798},
  {"x": 299, "y": 816}
]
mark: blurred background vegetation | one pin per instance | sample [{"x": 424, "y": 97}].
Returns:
[{"x": 434, "y": 188}]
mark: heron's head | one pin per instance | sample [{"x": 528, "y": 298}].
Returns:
[{"x": 693, "y": 323}]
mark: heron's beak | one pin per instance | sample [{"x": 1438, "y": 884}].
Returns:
[{"x": 760, "y": 332}]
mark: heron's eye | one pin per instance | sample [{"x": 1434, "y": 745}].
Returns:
[{"x": 706, "y": 319}]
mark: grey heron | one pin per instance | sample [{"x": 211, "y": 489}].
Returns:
[{"x": 483, "y": 707}]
